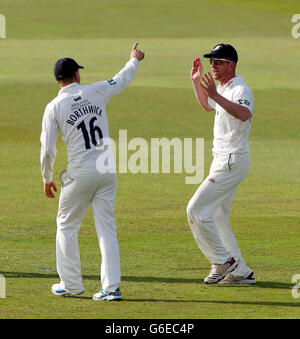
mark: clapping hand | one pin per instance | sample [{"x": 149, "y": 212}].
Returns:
[
  {"x": 208, "y": 84},
  {"x": 197, "y": 70}
]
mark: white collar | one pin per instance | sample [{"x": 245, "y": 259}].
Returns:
[
  {"x": 233, "y": 81},
  {"x": 67, "y": 88}
]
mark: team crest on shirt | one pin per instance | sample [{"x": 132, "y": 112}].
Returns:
[
  {"x": 243, "y": 102},
  {"x": 211, "y": 180},
  {"x": 111, "y": 82}
]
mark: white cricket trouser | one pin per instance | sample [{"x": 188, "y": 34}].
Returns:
[
  {"x": 77, "y": 193},
  {"x": 208, "y": 210}
]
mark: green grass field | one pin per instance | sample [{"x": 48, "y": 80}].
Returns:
[{"x": 162, "y": 268}]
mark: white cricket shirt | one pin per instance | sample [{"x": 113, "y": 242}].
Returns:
[
  {"x": 231, "y": 134},
  {"x": 79, "y": 113}
]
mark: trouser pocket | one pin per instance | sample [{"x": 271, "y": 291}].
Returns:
[
  {"x": 222, "y": 162},
  {"x": 65, "y": 178}
]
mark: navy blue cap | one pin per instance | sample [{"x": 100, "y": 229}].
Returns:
[
  {"x": 65, "y": 68},
  {"x": 223, "y": 51}
]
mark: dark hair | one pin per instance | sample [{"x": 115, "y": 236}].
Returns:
[{"x": 65, "y": 80}]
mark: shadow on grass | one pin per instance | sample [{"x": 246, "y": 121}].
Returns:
[
  {"x": 145, "y": 279},
  {"x": 260, "y": 284},
  {"x": 222, "y": 302}
]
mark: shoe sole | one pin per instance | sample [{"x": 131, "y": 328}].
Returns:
[
  {"x": 108, "y": 299},
  {"x": 67, "y": 294},
  {"x": 230, "y": 269},
  {"x": 248, "y": 282}
]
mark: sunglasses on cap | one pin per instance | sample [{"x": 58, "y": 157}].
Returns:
[{"x": 218, "y": 61}]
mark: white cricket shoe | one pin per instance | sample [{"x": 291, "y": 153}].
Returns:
[
  {"x": 219, "y": 271},
  {"x": 58, "y": 290},
  {"x": 231, "y": 279},
  {"x": 110, "y": 296}
]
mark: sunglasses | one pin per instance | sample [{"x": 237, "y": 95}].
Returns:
[{"x": 218, "y": 61}]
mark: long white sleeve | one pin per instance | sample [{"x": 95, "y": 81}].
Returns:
[
  {"x": 119, "y": 82},
  {"x": 48, "y": 144}
]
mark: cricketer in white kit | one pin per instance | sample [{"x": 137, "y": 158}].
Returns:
[
  {"x": 79, "y": 113},
  {"x": 209, "y": 208}
]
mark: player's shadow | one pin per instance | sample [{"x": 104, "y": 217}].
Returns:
[
  {"x": 259, "y": 284},
  {"x": 231, "y": 302},
  {"x": 147, "y": 279},
  {"x": 224, "y": 302}
]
